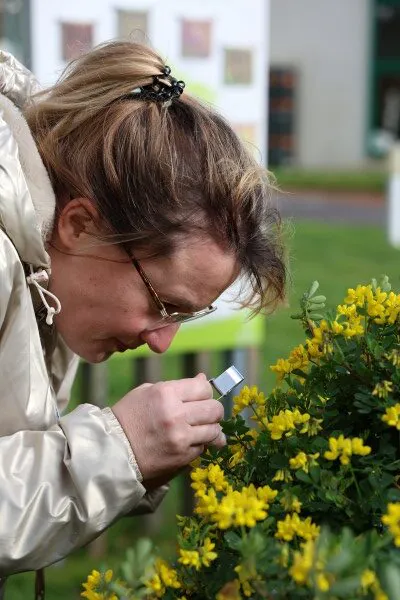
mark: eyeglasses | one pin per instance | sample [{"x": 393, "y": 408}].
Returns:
[{"x": 166, "y": 317}]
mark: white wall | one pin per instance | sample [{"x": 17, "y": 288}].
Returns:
[
  {"x": 237, "y": 23},
  {"x": 327, "y": 41}
]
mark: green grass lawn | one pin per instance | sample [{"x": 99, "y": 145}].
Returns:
[
  {"x": 366, "y": 180},
  {"x": 338, "y": 257}
]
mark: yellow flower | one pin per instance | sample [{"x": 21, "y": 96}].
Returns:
[
  {"x": 382, "y": 389},
  {"x": 281, "y": 368},
  {"x": 248, "y": 396},
  {"x": 206, "y": 552},
  {"x": 314, "y": 348},
  {"x": 284, "y": 556},
  {"x": 163, "y": 577},
  {"x": 368, "y": 578},
  {"x": 216, "y": 477},
  {"x": 290, "y": 503},
  {"x": 94, "y": 579},
  {"x": 394, "y": 357},
  {"x": 247, "y": 573},
  {"x": 392, "y": 520},
  {"x": 313, "y": 426},
  {"x": 239, "y": 508},
  {"x": 302, "y": 563},
  {"x": 238, "y": 454},
  {"x": 212, "y": 474},
  {"x": 94, "y": 587},
  {"x": 207, "y": 503},
  {"x": 357, "y": 446},
  {"x": 322, "y": 582},
  {"x": 108, "y": 575},
  {"x": 296, "y": 505},
  {"x": 343, "y": 448},
  {"x": 392, "y": 416},
  {"x": 337, "y": 328},
  {"x": 190, "y": 558},
  {"x": 303, "y": 461},
  {"x": 358, "y": 296},
  {"x": 292, "y": 525},
  {"x": 282, "y": 475},
  {"x": 239, "y": 450},
  {"x": 299, "y": 462},
  {"x": 298, "y": 359},
  {"x": 199, "y": 478},
  {"x": 285, "y": 422},
  {"x": 236, "y": 508}
]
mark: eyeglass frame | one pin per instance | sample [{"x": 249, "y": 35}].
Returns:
[{"x": 166, "y": 317}]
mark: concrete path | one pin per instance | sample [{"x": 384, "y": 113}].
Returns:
[{"x": 341, "y": 208}]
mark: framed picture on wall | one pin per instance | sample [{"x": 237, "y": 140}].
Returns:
[
  {"x": 248, "y": 132},
  {"x": 76, "y": 39},
  {"x": 132, "y": 24},
  {"x": 196, "y": 38},
  {"x": 238, "y": 66}
]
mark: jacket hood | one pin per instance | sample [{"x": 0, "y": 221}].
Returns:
[{"x": 27, "y": 200}]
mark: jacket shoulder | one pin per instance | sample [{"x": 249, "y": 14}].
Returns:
[{"x": 16, "y": 81}]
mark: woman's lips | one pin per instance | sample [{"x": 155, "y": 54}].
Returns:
[{"x": 121, "y": 347}]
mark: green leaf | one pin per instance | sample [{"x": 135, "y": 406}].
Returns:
[
  {"x": 389, "y": 576},
  {"x": 318, "y": 300},
  {"x": 302, "y": 476},
  {"x": 345, "y": 587},
  {"x": 315, "y": 473},
  {"x": 278, "y": 461},
  {"x": 233, "y": 540},
  {"x": 313, "y": 288},
  {"x": 316, "y": 316}
]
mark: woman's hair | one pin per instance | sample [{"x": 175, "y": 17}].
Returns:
[{"x": 158, "y": 175}]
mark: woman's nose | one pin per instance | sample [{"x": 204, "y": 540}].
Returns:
[{"x": 160, "y": 340}]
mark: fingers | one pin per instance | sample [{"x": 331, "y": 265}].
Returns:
[
  {"x": 208, "y": 435},
  {"x": 204, "y": 412},
  {"x": 193, "y": 388},
  {"x": 143, "y": 386}
]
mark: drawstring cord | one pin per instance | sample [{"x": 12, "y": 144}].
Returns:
[{"x": 35, "y": 279}]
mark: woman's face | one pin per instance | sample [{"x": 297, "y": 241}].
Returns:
[{"x": 107, "y": 308}]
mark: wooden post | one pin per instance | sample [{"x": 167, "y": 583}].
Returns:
[
  {"x": 394, "y": 197},
  {"x": 189, "y": 370},
  {"x": 192, "y": 365}
]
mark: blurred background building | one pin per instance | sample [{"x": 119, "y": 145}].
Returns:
[
  {"x": 218, "y": 48},
  {"x": 335, "y": 81},
  {"x": 334, "y": 65}
]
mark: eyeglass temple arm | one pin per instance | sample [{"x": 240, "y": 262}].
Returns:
[{"x": 147, "y": 282}]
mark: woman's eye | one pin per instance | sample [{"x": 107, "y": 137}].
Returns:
[{"x": 171, "y": 308}]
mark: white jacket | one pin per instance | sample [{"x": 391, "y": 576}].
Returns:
[{"x": 62, "y": 479}]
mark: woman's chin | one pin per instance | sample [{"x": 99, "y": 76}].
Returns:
[
  {"x": 99, "y": 357},
  {"x": 93, "y": 355}
]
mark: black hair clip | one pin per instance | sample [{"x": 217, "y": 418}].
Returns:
[{"x": 159, "y": 90}]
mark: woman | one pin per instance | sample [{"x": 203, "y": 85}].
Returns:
[{"x": 126, "y": 207}]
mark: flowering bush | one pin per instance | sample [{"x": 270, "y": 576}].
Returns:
[{"x": 304, "y": 501}]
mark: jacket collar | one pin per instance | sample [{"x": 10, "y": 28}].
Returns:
[{"x": 26, "y": 217}]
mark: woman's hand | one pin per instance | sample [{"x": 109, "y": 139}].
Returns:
[{"x": 168, "y": 424}]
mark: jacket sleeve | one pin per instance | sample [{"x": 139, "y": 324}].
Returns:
[{"x": 61, "y": 487}]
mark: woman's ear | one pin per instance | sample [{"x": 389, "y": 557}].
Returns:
[{"x": 76, "y": 225}]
